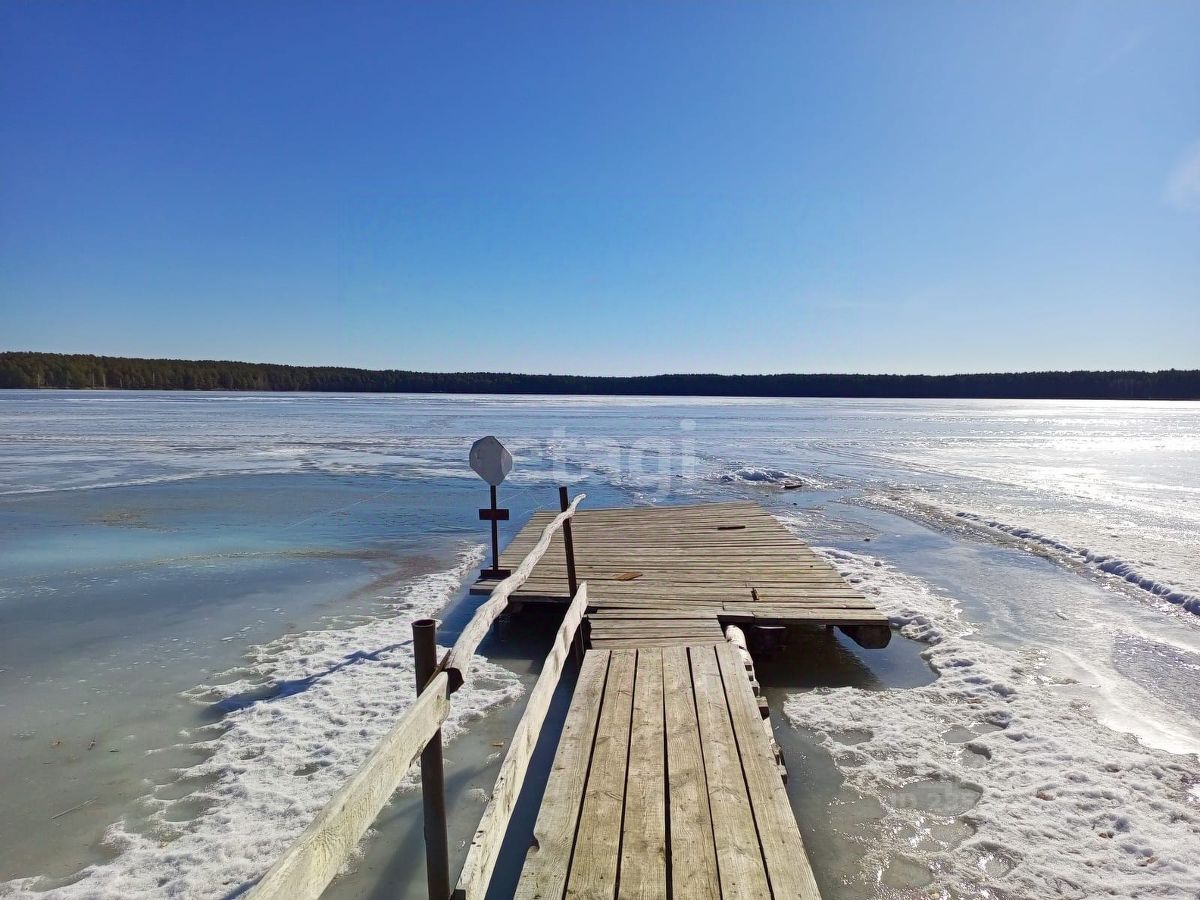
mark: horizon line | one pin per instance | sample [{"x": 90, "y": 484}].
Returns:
[{"x": 792, "y": 374}]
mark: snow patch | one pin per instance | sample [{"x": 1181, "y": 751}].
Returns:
[{"x": 772, "y": 478}]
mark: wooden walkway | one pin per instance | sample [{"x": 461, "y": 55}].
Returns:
[
  {"x": 665, "y": 785},
  {"x": 672, "y": 576},
  {"x": 665, "y": 782}
]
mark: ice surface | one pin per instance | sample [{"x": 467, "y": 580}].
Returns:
[
  {"x": 1120, "y": 479},
  {"x": 300, "y": 719},
  {"x": 1049, "y": 801}
]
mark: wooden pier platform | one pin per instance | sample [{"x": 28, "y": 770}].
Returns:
[
  {"x": 665, "y": 785},
  {"x": 666, "y": 782},
  {"x": 673, "y": 575}
]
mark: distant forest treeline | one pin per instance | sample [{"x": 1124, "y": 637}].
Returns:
[{"x": 57, "y": 370}]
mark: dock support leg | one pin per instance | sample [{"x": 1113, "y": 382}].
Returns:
[
  {"x": 563, "y": 503},
  {"x": 873, "y": 637},
  {"x": 433, "y": 781}
]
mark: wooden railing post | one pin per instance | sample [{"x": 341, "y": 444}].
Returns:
[
  {"x": 563, "y": 503},
  {"x": 433, "y": 781}
]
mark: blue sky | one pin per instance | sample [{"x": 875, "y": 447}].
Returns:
[{"x": 604, "y": 188}]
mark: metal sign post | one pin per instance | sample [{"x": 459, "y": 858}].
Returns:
[{"x": 492, "y": 463}]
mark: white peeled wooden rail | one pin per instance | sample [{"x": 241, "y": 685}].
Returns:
[
  {"x": 459, "y": 657},
  {"x": 318, "y": 854},
  {"x": 489, "y": 836}
]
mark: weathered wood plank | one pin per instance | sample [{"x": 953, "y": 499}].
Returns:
[
  {"x": 603, "y": 628},
  {"x": 650, "y": 614},
  {"x": 636, "y": 643},
  {"x": 693, "y": 853},
  {"x": 785, "y": 614},
  {"x": 594, "y": 869},
  {"x": 644, "y": 832},
  {"x": 779, "y": 837},
  {"x": 739, "y": 860},
  {"x": 629, "y": 633},
  {"x": 548, "y": 861}
]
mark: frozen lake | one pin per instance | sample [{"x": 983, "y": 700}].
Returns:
[{"x": 206, "y": 599}]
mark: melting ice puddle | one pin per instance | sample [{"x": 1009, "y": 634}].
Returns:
[
  {"x": 902, "y": 872},
  {"x": 960, "y": 735},
  {"x": 995, "y": 865},
  {"x": 933, "y": 795},
  {"x": 851, "y": 736}
]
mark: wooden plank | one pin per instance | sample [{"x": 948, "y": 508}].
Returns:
[
  {"x": 693, "y": 853},
  {"x": 605, "y": 615},
  {"x": 709, "y": 607},
  {"x": 740, "y": 571},
  {"x": 617, "y": 642},
  {"x": 736, "y": 563},
  {"x": 636, "y": 643},
  {"x": 742, "y": 575},
  {"x": 803, "y": 614},
  {"x": 698, "y": 637},
  {"x": 657, "y": 631},
  {"x": 593, "y": 873},
  {"x": 608, "y": 541},
  {"x": 663, "y": 588},
  {"x": 314, "y": 858},
  {"x": 548, "y": 860},
  {"x": 655, "y": 534},
  {"x": 485, "y": 846},
  {"x": 649, "y": 615},
  {"x": 607, "y": 627},
  {"x": 739, "y": 860},
  {"x": 644, "y": 832},
  {"x": 782, "y": 847},
  {"x": 706, "y": 634}
]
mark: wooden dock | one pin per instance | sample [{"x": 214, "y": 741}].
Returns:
[
  {"x": 665, "y": 785},
  {"x": 674, "y": 575},
  {"x": 666, "y": 782}
]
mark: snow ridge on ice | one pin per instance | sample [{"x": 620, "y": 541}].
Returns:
[{"x": 1105, "y": 562}]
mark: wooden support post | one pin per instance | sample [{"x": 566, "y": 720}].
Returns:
[
  {"x": 873, "y": 637},
  {"x": 495, "y": 533},
  {"x": 495, "y": 515},
  {"x": 563, "y": 503},
  {"x": 433, "y": 781}
]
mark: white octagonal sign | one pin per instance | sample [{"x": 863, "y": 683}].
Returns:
[{"x": 490, "y": 460}]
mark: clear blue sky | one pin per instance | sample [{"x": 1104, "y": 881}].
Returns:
[{"x": 607, "y": 187}]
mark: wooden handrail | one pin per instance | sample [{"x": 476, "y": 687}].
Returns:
[
  {"x": 489, "y": 836},
  {"x": 459, "y": 658},
  {"x": 318, "y": 854}
]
